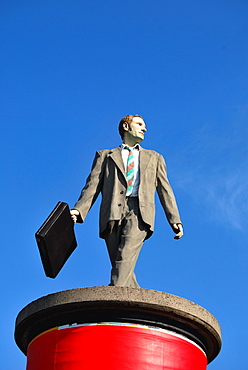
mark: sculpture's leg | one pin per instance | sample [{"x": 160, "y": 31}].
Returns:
[{"x": 124, "y": 245}]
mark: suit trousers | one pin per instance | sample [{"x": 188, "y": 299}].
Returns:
[{"x": 124, "y": 240}]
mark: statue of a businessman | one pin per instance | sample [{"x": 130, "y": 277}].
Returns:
[{"x": 127, "y": 178}]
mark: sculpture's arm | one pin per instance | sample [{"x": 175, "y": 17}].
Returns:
[
  {"x": 167, "y": 199},
  {"x": 90, "y": 191}
]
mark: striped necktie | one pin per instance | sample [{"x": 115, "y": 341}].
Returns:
[{"x": 130, "y": 172}]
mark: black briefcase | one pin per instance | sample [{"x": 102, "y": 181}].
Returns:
[{"x": 56, "y": 239}]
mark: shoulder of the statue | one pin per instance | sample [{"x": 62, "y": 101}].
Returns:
[
  {"x": 106, "y": 152},
  {"x": 150, "y": 151}
]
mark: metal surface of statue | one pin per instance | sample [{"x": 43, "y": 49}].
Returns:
[{"x": 127, "y": 177}]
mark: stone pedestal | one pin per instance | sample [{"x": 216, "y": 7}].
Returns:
[{"x": 116, "y": 328}]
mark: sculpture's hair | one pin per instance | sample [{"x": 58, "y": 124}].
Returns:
[{"x": 127, "y": 119}]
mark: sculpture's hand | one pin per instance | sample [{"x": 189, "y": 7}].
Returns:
[
  {"x": 178, "y": 229},
  {"x": 74, "y": 214}
]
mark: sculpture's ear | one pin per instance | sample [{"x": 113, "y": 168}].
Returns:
[{"x": 126, "y": 126}]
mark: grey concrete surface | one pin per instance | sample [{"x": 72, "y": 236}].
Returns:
[{"x": 120, "y": 304}]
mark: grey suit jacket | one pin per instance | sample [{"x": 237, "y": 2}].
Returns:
[{"x": 108, "y": 178}]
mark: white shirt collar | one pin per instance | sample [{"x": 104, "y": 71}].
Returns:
[{"x": 124, "y": 146}]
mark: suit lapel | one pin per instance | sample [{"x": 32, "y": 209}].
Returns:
[
  {"x": 115, "y": 154},
  {"x": 145, "y": 156}
]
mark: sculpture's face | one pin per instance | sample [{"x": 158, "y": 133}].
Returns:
[{"x": 136, "y": 130}]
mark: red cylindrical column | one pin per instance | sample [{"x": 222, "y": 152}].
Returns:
[
  {"x": 113, "y": 346},
  {"x": 116, "y": 328}
]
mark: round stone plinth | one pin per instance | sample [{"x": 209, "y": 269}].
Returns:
[{"x": 119, "y": 305}]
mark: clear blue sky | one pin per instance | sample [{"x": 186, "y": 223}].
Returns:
[{"x": 69, "y": 71}]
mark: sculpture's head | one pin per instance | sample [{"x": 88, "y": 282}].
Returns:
[{"x": 132, "y": 129}]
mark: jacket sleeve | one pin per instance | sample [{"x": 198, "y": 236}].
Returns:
[
  {"x": 92, "y": 187},
  {"x": 166, "y": 194}
]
